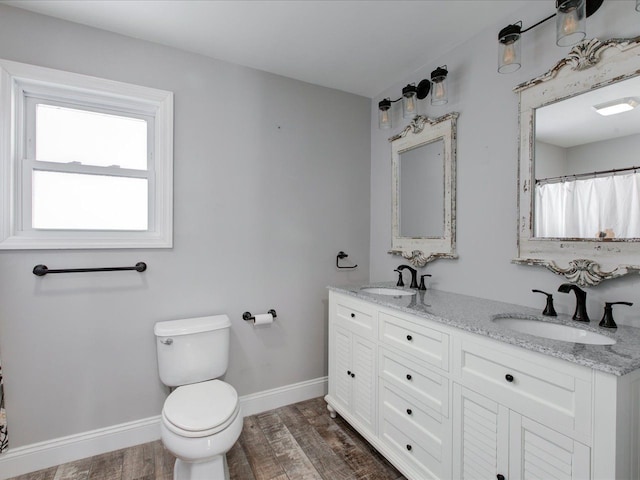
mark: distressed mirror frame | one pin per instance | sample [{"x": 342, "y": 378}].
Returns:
[
  {"x": 589, "y": 65},
  {"x": 423, "y": 130}
]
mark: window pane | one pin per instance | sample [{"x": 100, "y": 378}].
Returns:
[
  {"x": 69, "y": 135},
  {"x": 71, "y": 201}
]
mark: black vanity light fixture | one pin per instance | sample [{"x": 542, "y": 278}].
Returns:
[
  {"x": 412, "y": 93},
  {"x": 570, "y": 29}
]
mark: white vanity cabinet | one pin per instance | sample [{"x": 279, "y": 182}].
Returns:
[{"x": 443, "y": 403}]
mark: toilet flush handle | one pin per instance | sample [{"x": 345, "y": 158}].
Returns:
[{"x": 167, "y": 341}]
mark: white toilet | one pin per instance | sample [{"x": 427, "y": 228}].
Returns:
[{"x": 201, "y": 419}]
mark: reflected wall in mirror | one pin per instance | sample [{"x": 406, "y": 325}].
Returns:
[
  {"x": 423, "y": 190},
  {"x": 579, "y": 185}
]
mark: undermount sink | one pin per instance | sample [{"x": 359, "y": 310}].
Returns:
[
  {"x": 552, "y": 331},
  {"x": 396, "y": 292}
]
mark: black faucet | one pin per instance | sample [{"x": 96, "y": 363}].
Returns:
[
  {"x": 414, "y": 275},
  {"x": 580, "y": 314}
]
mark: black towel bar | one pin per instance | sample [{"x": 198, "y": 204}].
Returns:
[{"x": 41, "y": 270}]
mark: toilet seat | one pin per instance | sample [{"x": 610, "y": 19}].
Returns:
[{"x": 201, "y": 409}]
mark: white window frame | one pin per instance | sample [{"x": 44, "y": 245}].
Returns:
[{"x": 19, "y": 84}]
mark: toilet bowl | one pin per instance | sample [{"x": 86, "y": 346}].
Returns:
[{"x": 200, "y": 423}]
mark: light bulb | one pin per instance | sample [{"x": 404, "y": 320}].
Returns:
[
  {"x": 410, "y": 105},
  {"x": 570, "y": 24},
  {"x": 509, "y": 54},
  {"x": 439, "y": 90}
]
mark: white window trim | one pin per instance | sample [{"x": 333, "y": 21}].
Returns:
[{"x": 15, "y": 79}]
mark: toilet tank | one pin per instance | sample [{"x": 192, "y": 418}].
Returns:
[{"x": 192, "y": 350}]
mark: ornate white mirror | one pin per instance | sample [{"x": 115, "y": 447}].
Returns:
[
  {"x": 423, "y": 161},
  {"x": 579, "y": 171}
]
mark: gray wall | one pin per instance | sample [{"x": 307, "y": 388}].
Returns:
[
  {"x": 487, "y": 167},
  {"x": 271, "y": 180},
  {"x": 615, "y": 153}
]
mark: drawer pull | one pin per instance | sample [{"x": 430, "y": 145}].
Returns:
[
  {"x": 353, "y": 315},
  {"x": 349, "y": 372},
  {"x": 353, "y": 375},
  {"x": 409, "y": 447},
  {"x": 409, "y": 411},
  {"x": 500, "y": 477},
  {"x": 508, "y": 377},
  {"x": 408, "y": 376},
  {"x": 409, "y": 337}
]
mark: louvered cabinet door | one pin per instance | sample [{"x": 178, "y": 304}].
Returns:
[
  {"x": 352, "y": 381},
  {"x": 538, "y": 452},
  {"x": 340, "y": 380},
  {"x": 480, "y": 436},
  {"x": 364, "y": 386}
]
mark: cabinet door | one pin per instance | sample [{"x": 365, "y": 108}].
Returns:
[
  {"x": 538, "y": 452},
  {"x": 480, "y": 436},
  {"x": 363, "y": 366},
  {"x": 340, "y": 380},
  {"x": 352, "y": 380}
]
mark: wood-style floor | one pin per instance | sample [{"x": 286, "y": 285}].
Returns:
[{"x": 296, "y": 442}]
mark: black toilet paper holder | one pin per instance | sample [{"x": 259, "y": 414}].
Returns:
[{"x": 247, "y": 315}]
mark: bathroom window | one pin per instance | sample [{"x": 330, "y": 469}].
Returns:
[{"x": 87, "y": 163}]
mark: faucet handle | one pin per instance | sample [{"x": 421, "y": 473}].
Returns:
[
  {"x": 607, "y": 318},
  {"x": 548, "y": 311},
  {"x": 400, "y": 282},
  {"x": 422, "y": 286}
]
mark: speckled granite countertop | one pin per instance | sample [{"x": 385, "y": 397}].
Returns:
[{"x": 475, "y": 315}]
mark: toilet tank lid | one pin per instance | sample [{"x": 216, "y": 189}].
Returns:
[{"x": 188, "y": 326}]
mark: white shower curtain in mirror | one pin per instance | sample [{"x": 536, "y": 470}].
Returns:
[
  {"x": 4, "y": 438},
  {"x": 589, "y": 208}
]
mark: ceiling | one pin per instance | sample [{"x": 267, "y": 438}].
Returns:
[
  {"x": 358, "y": 46},
  {"x": 574, "y": 121}
]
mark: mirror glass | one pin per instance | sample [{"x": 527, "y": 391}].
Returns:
[
  {"x": 422, "y": 191},
  {"x": 586, "y": 157}
]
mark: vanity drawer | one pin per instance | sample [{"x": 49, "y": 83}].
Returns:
[
  {"x": 358, "y": 317},
  {"x": 547, "y": 390},
  {"x": 419, "y": 425},
  {"x": 430, "y": 388},
  {"x": 426, "y": 344},
  {"x": 417, "y": 453}
]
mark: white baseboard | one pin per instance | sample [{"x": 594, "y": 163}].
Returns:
[
  {"x": 21, "y": 460},
  {"x": 281, "y": 396},
  {"x": 17, "y": 461}
]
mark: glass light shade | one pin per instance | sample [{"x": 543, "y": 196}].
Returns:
[
  {"x": 439, "y": 87},
  {"x": 409, "y": 102},
  {"x": 571, "y": 22},
  {"x": 509, "y": 49},
  {"x": 384, "y": 114}
]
